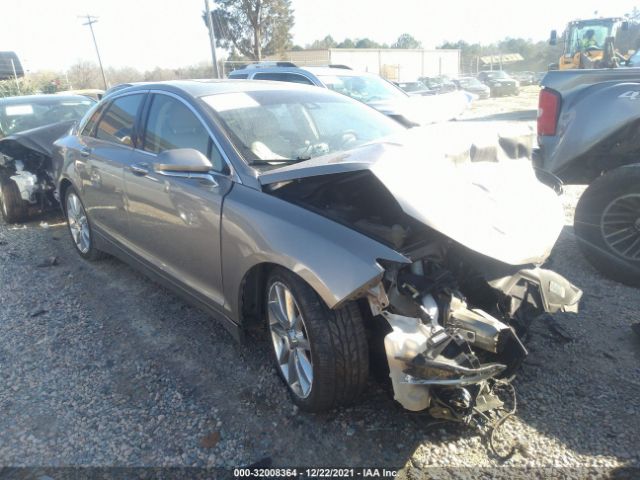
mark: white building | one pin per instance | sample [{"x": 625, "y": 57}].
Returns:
[{"x": 392, "y": 63}]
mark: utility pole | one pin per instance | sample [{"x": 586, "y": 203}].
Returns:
[
  {"x": 90, "y": 21},
  {"x": 212, "y": 39}
]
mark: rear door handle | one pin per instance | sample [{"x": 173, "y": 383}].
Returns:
[
  {"x": 140, "y": 169},
  {"x": 85, "y": 151}
]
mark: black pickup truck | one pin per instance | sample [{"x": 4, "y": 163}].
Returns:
[{"x": 589, "y": 133}]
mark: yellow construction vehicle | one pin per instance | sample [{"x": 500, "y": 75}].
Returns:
[{"x": 590, "y": 44}]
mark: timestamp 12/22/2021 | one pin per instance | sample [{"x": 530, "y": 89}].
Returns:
[{"x": 310, "y": 472}]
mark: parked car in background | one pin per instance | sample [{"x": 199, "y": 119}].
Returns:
[
  {"x": 473, "y": 85},
  {"x": 415, "y": 88},
  {"x": 525, "y": 78},
  {"x": 94, "y": 93},
  {"x": 311, "y": 217},
  {"x": 539, "y": 76},
  {"x": 28, "y": 127},
  {"x": 409, "y": 110},
  {"x": 500, "y": 83},
  {"x": 439, "y": 84}
]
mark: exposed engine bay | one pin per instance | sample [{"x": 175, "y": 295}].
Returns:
[
  {"x": 25, "y": 159},
  {"x": 455, "y": 316}
]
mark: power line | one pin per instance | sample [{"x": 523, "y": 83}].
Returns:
[{"x": 90, "y": 21}]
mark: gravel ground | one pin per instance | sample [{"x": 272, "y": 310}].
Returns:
[{"x": 100, "y": 367}]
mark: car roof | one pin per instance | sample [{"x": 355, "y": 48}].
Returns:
[
  {"x": 319, "y": 71},
  {"x": 204, "y": 87},
  {"x": 44, "y": 99}
]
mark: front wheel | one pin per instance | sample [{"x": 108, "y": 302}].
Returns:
[
  {"x": 13, "y": 207},
  {"x": 607, "y": 224},
  {"x": 321, "y": 354},
  {"x": 80, "y": 226}
]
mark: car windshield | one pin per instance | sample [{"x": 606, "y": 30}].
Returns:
[
  {"x": 470, "y": 82},
  {"x": 276, "y": 126},
  {"x": 588, "y": 35},
  {"x": 17, "y": 116},
  {"x": 365, "y": 88}
]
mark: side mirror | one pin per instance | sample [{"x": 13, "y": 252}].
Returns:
[
  {"x": 553, "y": 38},
  {"x": 182, "y": 160}
]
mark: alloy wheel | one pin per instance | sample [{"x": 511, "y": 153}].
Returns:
[
  {"x": 290, "y": 340},
  {"x": 620, "y": 226},
  {"x": 78, "y": 223}
]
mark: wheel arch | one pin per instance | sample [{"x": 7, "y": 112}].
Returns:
[{"x": 64, "y": 185}]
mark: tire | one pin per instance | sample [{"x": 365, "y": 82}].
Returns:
[
  {"x": 607, "y": 224},
  {"x": 331, "y": 342},
  {"x": 80, "y": 226},
  {"x": 13, "y": 207}
]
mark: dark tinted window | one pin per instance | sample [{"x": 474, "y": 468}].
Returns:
[
  {"x": 89, "y": 127},
  {"x": 238, "y": 76},
  {"x": 116, "y": 125},
  {"x": 171, "y": 124},
  {"x": 283, "y": 77}
]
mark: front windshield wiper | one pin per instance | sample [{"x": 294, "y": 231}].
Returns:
[{"x": 287, "y": 161}]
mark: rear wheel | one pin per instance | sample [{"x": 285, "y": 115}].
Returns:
[
  {"x": 13, "y": 207},
  {"x": 321, "y": 354},
  {"x": 607, "y": 224},
  {"x": 80, "y": 226}
]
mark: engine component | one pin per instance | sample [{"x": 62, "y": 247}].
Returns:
[
  {"x": 27, "y": 184},
  {"x": 477, "y": 327}
]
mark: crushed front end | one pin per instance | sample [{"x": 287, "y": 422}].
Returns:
[{"x": 456, "y": 320}]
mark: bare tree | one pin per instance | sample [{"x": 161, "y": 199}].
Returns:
[
  {"x": 84, "y": 74},
  {"x": 253, "y": 27}
]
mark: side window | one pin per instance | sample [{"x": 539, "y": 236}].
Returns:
[
  {"x": 283, "y": 77},
  {"x": 116, "y": 125},
  {"x": 239, "y": 76},
  {"x": 170, "y": 124},
  {"x": 89, "y": 127}
]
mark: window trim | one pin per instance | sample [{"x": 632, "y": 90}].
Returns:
[
  {"x": 143, "y": 130},
  {"x": 136, "y": 120}
]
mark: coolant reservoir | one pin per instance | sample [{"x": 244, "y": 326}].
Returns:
[{"x": 408, "y": 339}]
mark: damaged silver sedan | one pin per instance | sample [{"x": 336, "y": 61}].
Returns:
[{"x": 340, "y": 233}]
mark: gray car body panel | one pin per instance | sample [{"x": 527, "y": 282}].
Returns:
[
  {"x": 260, "y": 229},
  {"x": 251, "y": 226},
  {"x": 593, "y": 109}
]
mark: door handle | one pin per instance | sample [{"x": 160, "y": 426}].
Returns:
[
  {"x": 140, "y": 169},
  {"x": 85, "y": 151}
]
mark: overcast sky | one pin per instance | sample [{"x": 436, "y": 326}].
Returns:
[{"x": 47, "y": 34}]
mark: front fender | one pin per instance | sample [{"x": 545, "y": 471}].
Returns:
[
  {"x": 586, "y": 120},
  {"x": 259, "y": 228}
]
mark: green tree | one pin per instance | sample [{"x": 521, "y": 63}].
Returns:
[
  {"x": 406, "y": 41},
  {"x": 346, "y": 43},
  {"x": 326, "y": 43},
  {"x": 366, "y": 43},
  {"x": 253, "y": 27}
]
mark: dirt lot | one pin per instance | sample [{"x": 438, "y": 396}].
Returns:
[{"x": 100, "y": 366}]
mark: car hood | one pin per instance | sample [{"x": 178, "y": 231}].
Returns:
[
  {"x": 39, "y": 140},
  {"x": 425, "y": 109},
  {"x": 482, "y": 194}
]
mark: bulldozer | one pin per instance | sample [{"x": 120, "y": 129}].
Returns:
[{"x": 590, "y": 43}]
